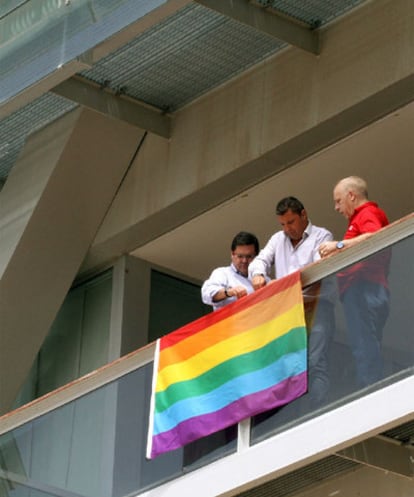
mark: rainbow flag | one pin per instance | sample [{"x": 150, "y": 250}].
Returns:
[{"x": 244, "y": 359}]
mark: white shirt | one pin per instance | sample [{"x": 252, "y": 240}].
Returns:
[
  {"x": 223, "y": 277},
  {"x": 284, "y": 257}
]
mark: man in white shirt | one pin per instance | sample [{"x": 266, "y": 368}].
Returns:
[
  {"x": 225, "y": 285},
  {"x": 293, "y": 247},
  {"x": 229, "y": 283}
]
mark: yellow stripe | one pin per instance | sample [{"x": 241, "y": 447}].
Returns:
[
  {"x": 247, "y": 319},
  {"x": 226, "y": 349}
]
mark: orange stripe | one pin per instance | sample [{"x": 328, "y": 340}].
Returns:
[
  {"x": 251, "y": 317},
  {"x": 209, "y": 319}
]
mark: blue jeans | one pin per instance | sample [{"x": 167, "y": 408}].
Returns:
[{"x": 366, "y": 307}]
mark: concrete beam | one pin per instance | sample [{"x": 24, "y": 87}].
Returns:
[
  {"x": 268, "y": 22},
  {"x": 101, "y": 100},
  {"x": 382, "y": 453},
  {"x": 276, "y": 160},
  {"x": 52, "y": 205}
]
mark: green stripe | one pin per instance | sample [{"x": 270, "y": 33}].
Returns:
[{"x": 292, "y": 341}]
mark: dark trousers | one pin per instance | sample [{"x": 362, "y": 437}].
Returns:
[
  {"x": 366, "y": 308},
  {"x": 321, "y": 326}
]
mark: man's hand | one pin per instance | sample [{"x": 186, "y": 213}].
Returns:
[
  {"x": 327, "y": 248},
  {"x": 237, "y": 291},
  {"x": 225, "y": 293},
  {"x": 258, "y": 281}
]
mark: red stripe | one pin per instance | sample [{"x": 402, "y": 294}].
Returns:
[{"x": 200, "y": 324}]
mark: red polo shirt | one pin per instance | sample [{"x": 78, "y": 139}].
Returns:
[{"x": 367, "y": 218}]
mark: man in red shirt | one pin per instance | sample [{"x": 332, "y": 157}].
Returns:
[{"x": 363, "y": 287}]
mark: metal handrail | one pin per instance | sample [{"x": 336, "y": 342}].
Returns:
[{"x": 389, "y": 235}]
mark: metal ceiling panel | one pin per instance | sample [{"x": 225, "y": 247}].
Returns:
[
  {"x": 15, "y": 128},
  {"x": 185, "y": 56},
  {"x": 318, "y": 472},
  {"x": 315, "y": 13},
  {"x": 403, "y": 433},
  {"x": 167, "y": 66},
  {"x": 303, "y": 478}
]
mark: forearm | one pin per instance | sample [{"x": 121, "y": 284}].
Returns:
[
  {"x": 331, "y": 247},
  {"x": 262, "y": 264},
  {"x": 225, "y": 293},
  {"x": 350, "y": 242},
  {"x": 222, "y": 294},
  {"x": 258, "y": 281}
]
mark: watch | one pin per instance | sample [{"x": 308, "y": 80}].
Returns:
[{"x": 340, "y": 245}]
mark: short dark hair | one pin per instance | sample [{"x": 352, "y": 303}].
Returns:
[
  {"x": 287, "y": 203},
  {"x": 245, "y": 238}
]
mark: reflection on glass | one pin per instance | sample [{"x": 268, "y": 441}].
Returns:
[
  {"x": 38, "y": 38},
  {"x": 365, "y": 297},
  {"x": 369, "y": 344},
  {"x": 9, "y": 488},
  {"x": 96, "y": 444}
]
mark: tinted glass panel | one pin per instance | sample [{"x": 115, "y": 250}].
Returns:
[
  {"x": 368, "y": 338},
  {"x": 96, "y": 445}
]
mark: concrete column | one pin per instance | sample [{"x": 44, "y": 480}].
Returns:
[{"x": 52, "y": 206}]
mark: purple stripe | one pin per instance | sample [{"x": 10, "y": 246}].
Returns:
[{"x": 250, "y": 405}]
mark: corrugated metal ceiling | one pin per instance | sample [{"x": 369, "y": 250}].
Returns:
[
  {"x": 183, "y": 57},
  {"x": 319, "y": 471},
  {"x": 170, "y": 64},
  {"x": 303, "y": 478},
  {"x": 15, "y": 128},
  {"x": 314, "y": 13}
]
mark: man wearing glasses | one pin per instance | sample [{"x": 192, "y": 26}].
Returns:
[
  {"x": 363, "y": 287},
  {"x": 229, "y": 283}
]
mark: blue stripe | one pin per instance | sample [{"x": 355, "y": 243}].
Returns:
[{"x": 289, "y": 365}]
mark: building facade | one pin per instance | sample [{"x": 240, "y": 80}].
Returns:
[{"x": 137, "y": 138}]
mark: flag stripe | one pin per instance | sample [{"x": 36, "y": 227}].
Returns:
[
  {"x": 246, "y": 384},
  {"x": 226, "y": 349},
  {"x": 152, "y": 400},
  {"x": 237, "y": 323},
  {"x": 244, "y": 359},
  {"x": 240, "y": 305},
  {"x": 235, "y": 366},
  {"x": 194, "y": 428}
]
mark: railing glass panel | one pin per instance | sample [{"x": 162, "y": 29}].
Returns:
[
  {"x": 369, "y": 339},
  {"x": 95, "y": 445},
  {"x": 9, "y": 489}
]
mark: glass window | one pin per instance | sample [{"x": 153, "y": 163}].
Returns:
[
  {"x": 78, "y": 339},
  {"x": 168, "y": 296},
  {"x": 364, "y": 345}
]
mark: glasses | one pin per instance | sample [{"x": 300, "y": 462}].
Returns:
[{"x": 240, "y": 257}]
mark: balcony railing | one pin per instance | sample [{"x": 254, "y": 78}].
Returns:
[{"x": 88, "y": 438}]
